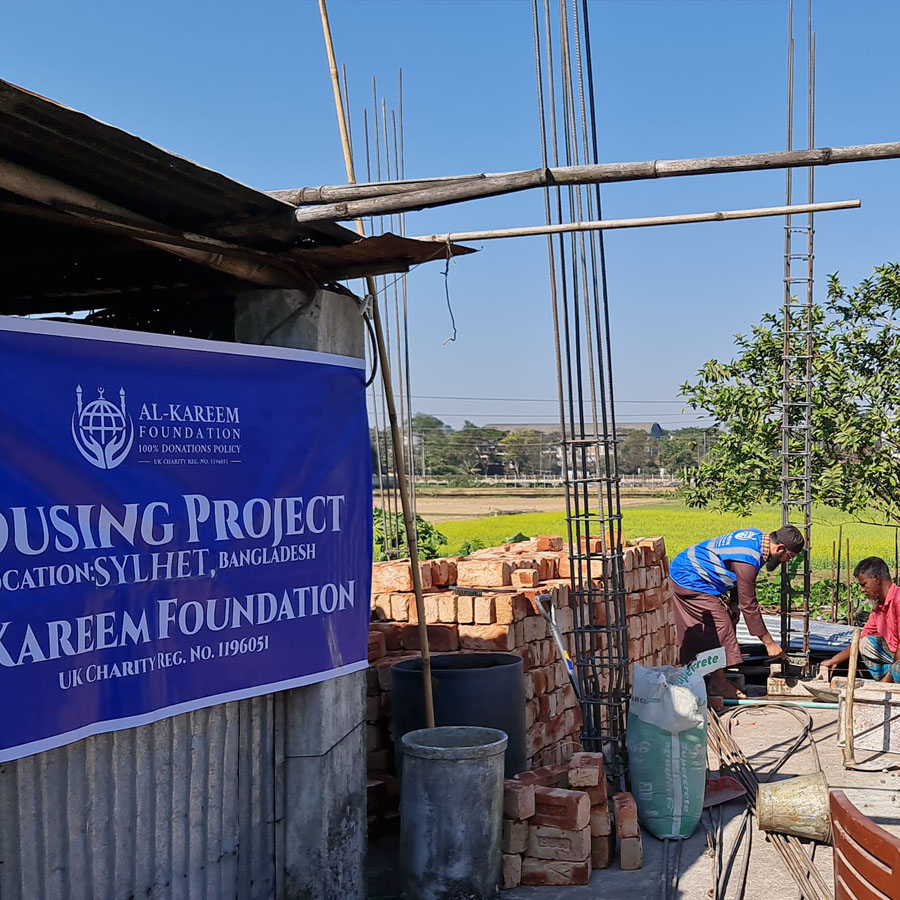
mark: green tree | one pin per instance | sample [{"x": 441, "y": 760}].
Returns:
[
  {"x": 634, "y": 451},
  {"x": 855, "y": 406},
  {"x": 522, "y": 451}
]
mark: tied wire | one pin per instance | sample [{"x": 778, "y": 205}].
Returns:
[{"x": 446, "y": 274}]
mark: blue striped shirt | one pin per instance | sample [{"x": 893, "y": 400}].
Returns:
[{"x": 702, "y": 567}]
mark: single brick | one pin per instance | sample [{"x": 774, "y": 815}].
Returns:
[
  {"x": 548, "y": 842},
  {"x": 518, "y": 800},
  {"x": 515, "y": 836},
  {"x": 377, "y": 647},
  {"x": 526, "y": 578},
  {"x": 535, "y": 629},
  {"x": 483, "y": 573},
  {"x": 584, "y": 776},
  {"x": 381, "y": 606},
  {"x": 432, "y": 604},
  {"x": 545, "y": 776},
  {"x": 465, "y": 610},
  {"x": 631, "y": 853},
  {"x": 601, "y": 824},
  {"x": 570, "y": 810},
  {"x": 549, "y": 542},
  {"x": 486, "y": 637},
  {"x": 626, "y": 815},
  {"x": 555, "y": 872},
  {"x": 603, "y": 851},
  {"x": 511, "y": 870},
  {"x": 447, "y": 607},
  {"x": 484, "y": 610},
  {"x": 400, "y": 607},
  {"x": 391, "y": 632},
  {"x": 441, "y": 638},
  {"x": 388, "y": 577}
]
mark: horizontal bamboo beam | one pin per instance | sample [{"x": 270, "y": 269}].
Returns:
[
  {"x": 91, "y": 210},
  {"x": 358, "y": 191},
  {"x": 487, "y": 185},
  {"x": 727, "y": 215}
]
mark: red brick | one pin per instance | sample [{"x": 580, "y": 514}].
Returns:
[
  {"x": 626, "y": 815},
  {"x": 545, "y": 776},
  {"x": 547, "y": 542},
  {"x": 484, "y": 610},
  {"x": 634, "y": 604},
  {"x": 584, "y": 776},
  {"x": 539, "y": 677},
  {"x": 441, "y": 638},
  {"x": 573, "y": 720},
  {"x": 511, "y": 870},
  {"x": 535, "y": 629},
  {"x": 550, "y": 872},
  {"x": 570, "y": 810},
  {"x": 482, "y": 573},
  {"x": 432, "y": 608},
  {"x": 400, "y": 607},
  {"x": 549, "y": 652},
  {"x": 465, "y": 610},
  {"x": 377, "y": 647},
  {"x": 486, "y": 637},
  {"x": 631, "y": 853},
  {"x": 565, "y": 620},
  {"x": 447, "y": 606},
  {"x": 514, "y": 838},
  {"x": 526, "y": 577},
  {"x": 601, "y": 824},
  {"x": 391, "y": 632},
  {"x": 548, "y": 842},
  {"x": 603, "y": 851},
  {"x": 381, "y": 606},
  {"x": 440, "y": 572},
  {"x": 388, "y": 577},
  {"x": 535, "y": 738},
  {"x": 518, "y": 799}
]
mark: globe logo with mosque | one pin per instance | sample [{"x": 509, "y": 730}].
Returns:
[{"x": 102, "y": 431}]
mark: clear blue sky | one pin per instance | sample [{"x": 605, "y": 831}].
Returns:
[{"x": 243, "y": 87}]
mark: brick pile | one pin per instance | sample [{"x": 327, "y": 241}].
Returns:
[
  {"x": 504, "y": 618},
  {"x": 556, "y": 824}
]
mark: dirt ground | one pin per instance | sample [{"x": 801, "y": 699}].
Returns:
[{"x": 446, "y": 506}]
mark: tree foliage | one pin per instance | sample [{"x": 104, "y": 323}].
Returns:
[{"x": 855, "y": 448}]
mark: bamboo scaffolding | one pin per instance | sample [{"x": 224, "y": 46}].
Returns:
[
  {"x": 456, "y": 189},
  {"x": 642, "y": 222},
  {"x": 387, "y": 386}
]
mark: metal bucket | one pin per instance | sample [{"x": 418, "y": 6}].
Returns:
[
  {"x": 451, "y": 812},
  {"x": 798, "y": 806}
]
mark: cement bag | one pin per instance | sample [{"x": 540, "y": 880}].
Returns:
[{"x": 666, "y": 739}]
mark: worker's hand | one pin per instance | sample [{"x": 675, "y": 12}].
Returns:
[
  {"x": 828, "y": 667},
  {"x": 773, "y": 648}
]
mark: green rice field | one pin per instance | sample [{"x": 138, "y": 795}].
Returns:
[{"x": 682, "y": 527}]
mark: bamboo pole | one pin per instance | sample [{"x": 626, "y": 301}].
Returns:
[
  {"x": 848, "y": 750},
  {"x": 643, "y": 222},
  {"x": 850, "y": 616},
  {"x": 833, "y": 576},
  {"x": 490, "y": 185},
  {"x": 387, "y": 386},
  {"x": 837, "y": 577}
]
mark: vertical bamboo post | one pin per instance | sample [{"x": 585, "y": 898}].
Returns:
[
  {"x": 396, "y": 439},
  {"x": 850, "y": 617},
  {"x": 848, "y": 752},
  {"x": 837, "y": 577},
  {"x": 833, "y": 577}
]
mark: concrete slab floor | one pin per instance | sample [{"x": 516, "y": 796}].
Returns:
[{"x": 764, "y": 734}]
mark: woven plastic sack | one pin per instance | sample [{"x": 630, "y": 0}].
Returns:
[{"x": 666, "y": 739}]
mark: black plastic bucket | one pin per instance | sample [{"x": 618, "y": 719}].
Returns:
[{"x": 485, "y": 690}]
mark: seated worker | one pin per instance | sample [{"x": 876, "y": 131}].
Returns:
[
  {"x": 713, "y": 582},
  {"x": 879, "y": 644}
]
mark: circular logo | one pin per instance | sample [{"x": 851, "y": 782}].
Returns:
[{"x": 744, "y": 535}]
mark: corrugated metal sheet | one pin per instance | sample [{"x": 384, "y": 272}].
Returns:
[{"x": 183, "y": 809}]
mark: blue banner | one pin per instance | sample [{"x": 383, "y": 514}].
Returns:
[{"x": 182, "y": 523}]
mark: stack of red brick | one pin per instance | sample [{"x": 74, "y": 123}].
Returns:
[
  {"x": 504, "y": 617},
  {"x": 557, "y": 826}
]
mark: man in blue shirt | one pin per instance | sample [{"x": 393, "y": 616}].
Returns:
[{"x": 714, "y": 581}]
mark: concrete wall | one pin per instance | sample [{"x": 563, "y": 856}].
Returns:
[{"x": 260, "y": 799}]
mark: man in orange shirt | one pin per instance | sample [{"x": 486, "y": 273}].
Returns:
[{"x": 879, "y": 645}]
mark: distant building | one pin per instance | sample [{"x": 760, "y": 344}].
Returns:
[{"x": 653, "y": 429}]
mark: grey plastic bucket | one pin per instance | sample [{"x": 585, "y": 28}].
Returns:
[{"x": 451, "y": 813}]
